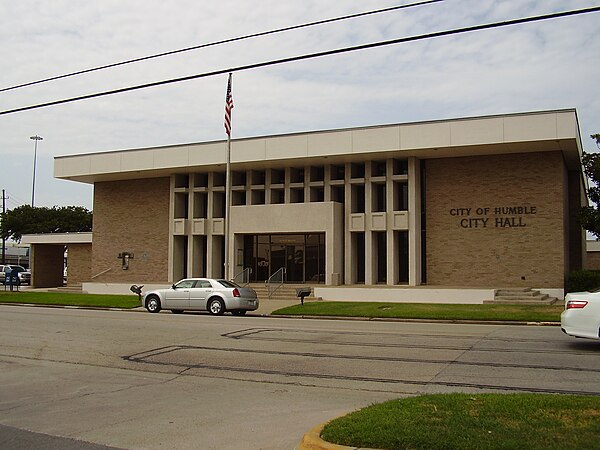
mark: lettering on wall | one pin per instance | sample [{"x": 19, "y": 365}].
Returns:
[{"x": 494, "y": 217}]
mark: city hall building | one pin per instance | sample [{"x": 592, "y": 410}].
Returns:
[{"x": 474, "y": 203}]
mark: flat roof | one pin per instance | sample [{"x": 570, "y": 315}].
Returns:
[
  {"x": 556, "y": 130},
  {"x": 58, "y": 238}
]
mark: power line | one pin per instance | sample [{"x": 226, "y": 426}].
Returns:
[
  {"x": 224, "y": 41},
  {"x": 16, "y": 200},
  {"x": 312, "y": 56}
]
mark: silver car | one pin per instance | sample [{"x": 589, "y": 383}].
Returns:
[
  {"x": 202, "y": 294},
  {"x": 23, "y": 274}
]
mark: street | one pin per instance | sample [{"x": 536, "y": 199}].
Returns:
[{"x": 138, "y": 380}]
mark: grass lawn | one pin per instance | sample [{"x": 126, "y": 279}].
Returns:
[
  {"x": 464, "y": 421},
  {"x": 528, "y": 313},
  {"x": 70, "y": 299}
]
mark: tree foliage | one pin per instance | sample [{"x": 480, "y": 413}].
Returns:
[
  {"x": 29, "y": 220},
  {"x": 589, "y": 216}
]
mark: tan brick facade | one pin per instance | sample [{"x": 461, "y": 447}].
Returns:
[
  {"x": 47, "y": 265},
  {"x": 131, "y": 216},
  {"x": 592, "y": 261},
  {"x": 474, "y": 239},
  {"x": 79, "y": 261}
]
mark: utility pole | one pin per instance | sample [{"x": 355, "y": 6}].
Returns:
[
  {"x": 3, "y": 239},
  {"x": 36, "y": 138}
]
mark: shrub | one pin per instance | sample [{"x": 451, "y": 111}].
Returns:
[{"x": 583, "y": 280}]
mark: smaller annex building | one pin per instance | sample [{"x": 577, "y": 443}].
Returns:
[{"x": 482, "y": 202}]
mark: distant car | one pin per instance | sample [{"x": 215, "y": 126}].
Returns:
[
  {"x": 24, "y": 274},
  {"x": 581, "y": 317},
  {"x": 202, "y": 294}
]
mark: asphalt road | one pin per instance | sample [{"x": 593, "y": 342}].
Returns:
[{"x": 138, "y": 380}]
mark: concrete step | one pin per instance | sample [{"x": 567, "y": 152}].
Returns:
[
  {"x": 521, "y": 296},
  {"x": 285, "y": 292},
  {"x": 539, "y": 296},
  {"x": 516, "y": 293},
  {"x": 70, "y": 288}
]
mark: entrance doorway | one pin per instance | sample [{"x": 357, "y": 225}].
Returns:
[{"x": 302, "y": 256}]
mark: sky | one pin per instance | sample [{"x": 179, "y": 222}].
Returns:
[{"x": 538, "y": 66}]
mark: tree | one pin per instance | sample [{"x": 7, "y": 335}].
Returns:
[
  {"x": 28, "y": 220},
  {"x": 589, "y": 216}
]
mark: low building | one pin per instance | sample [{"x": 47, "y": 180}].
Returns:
[{"x": 482, "y": 203}]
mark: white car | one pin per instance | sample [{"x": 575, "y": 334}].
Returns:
[
  {"x": 581, "y": 317},
  {"x": 202, "y": 294}
]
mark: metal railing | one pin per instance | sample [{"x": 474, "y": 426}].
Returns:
[
  {"x": 275, "y": 281},
  {"x": 101, "y": 273},
  {"x": 243, "y": 278}
]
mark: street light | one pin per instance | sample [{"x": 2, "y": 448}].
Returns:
[{"x": 36, "y": 138}]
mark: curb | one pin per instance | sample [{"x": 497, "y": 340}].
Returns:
[
  {"x": 288, "y": 316},
  {"x": 312, "y": 441},
  {"x": 394, "y": 319}
]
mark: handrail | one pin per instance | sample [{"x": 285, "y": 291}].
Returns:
[
  {"x": 275, "y": 281},
  {"x": 101, "y": 273},
  {"x": 243, "y": 278}
]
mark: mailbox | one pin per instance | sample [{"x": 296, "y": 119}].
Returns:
[
  {"x": 11, "y": 278},
  {"x": 137, "y": 290},
  {"x": 303, "y": 292}
]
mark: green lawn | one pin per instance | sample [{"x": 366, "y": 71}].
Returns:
[
  {"x": 465, "y": 421},
  {"x": 437, "y": 311},
  {"x": 70, "y": 299}
]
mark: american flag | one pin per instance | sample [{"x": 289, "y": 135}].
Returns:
[{"x": 228, "y": 108}]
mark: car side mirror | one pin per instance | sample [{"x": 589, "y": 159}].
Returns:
[{"x": 173, "y": 286}]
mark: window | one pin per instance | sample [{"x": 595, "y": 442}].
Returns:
[{"x": 184, "y": 284}]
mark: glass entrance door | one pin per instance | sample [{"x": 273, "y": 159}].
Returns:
[
  {"x": 302, "y": 255},
  {"x": 288, "y": 251}
]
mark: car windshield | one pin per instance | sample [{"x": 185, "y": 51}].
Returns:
[
  {"x": 228, "y": 284},
  {"x": 17, "y": 269}
]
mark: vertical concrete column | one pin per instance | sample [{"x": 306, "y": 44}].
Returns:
[
  {"x": 327, "y": 182},
  {"x": 188, "y": 225},
  {"x": 171, "y": 237},
  {"x": 370, "y": 261},
  {"x": 414, "y": 221},
  {"x": 392, "y": 260},
  {"x": 306, "y": 184},
  {"x": 287, "y": 196},
  {"x": 349, "y": 261},
  {"x": 209, "y": 236},
  {"x": 267, "y": 187}
]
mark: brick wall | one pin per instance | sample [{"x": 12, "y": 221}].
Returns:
[
  {"x": 592, "y": 261},
  {"x": 131, "y": 216},
  {"x": 47, "y": 265},
  {"x": 471, "y": 243},
  {"x": 79, "y": 263}
]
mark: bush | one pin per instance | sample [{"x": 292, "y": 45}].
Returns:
[{"x": 583, "y": 280}]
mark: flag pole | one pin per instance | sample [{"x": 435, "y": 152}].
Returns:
[
  {"x": 228, "y": 108},
  {"x": 227, "y": 206}
]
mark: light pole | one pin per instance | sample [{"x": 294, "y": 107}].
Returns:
[{"x": 36, "y": 138}]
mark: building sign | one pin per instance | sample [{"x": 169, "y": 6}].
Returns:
[{"x": 494, "y": 217}]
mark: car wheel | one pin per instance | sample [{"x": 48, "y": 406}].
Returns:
[
  {"x": 153, "y": 304},
  {"x": 216, "y": 307},
  {"x": 177, "y": 311},
  {"x": 238, "y": 312}
]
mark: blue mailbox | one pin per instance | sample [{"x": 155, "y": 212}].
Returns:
[{"x": 11, "y": 278}]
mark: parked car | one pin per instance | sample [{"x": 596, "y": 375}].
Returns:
[
  {"x": 24, "y": 274},
  {"x": 202, "y": 294},
  {"x": 581, "y": 317}
]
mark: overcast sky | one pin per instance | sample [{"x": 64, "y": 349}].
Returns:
[{"x": 547, "y": 65}]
